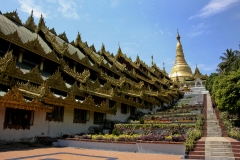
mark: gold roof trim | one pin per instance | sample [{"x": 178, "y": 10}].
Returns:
[
  {"x": 14, "y": 99},
  {"x": 129, "y": 60},
  {"x": 57, "y": 81},
  {"x": 13, "y": 16},
  {"x": 32, "y": 46},
  {"x": 111, "y": 58},
  {"x": 8, "y": 67},
  {"x": 87, "y": 104},
  {"x": 81, "y": 77},
  {"x": 30, "y": 24}
]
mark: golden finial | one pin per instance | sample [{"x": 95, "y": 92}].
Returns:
[
  {"x": 178, "y": 36},
  {"x": 152, "y": 60}
]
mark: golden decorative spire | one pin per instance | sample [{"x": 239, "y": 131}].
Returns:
[{"x": 180, "y": 65}]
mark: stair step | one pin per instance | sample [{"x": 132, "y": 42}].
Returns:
[
  {"x": 220, "y": 150},
  {"x": 196, "y": 156},
  {"x": 219, "y": 158},
  {"x": 217, "y": 142},
  {"x": 217, "y": 146}
]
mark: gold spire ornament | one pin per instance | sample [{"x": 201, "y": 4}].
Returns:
[{"x": 180, "y": 65}]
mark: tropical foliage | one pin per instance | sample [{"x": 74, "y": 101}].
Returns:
[{"x": 224, "y": 86}]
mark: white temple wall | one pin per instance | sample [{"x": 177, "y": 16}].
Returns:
[
  {"x": 119, "y": 116},
  {"x": 41, "y": 127}
]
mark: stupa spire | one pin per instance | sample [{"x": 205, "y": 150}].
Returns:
[{"x": 180, "y": 65}]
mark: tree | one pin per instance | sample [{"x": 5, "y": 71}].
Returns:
[
  {"x": 209, "y": 82},
  {"x": 228, "y": 58},
  {"x": 226, "y": 91}
]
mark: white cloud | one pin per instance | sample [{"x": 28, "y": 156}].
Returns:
[
  {"x": 68, "y": 8},
  {"x": 28, "y": 5},
  {"x": 198, "y": 30},
  {"x": 114, "y": 3},
  {"x": 214, "y": 7}
]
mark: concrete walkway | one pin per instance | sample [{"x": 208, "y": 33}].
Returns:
[
  {"x": 216, "y": 146},
  {"x": 68, "y": 153}
]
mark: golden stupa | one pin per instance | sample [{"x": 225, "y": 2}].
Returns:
[{"x": 180, "y": 69}]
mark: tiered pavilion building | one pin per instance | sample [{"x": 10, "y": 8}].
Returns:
[{"x": 50, "y": 86}]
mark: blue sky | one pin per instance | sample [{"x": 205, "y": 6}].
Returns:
[{"x": 144, "y": 27}]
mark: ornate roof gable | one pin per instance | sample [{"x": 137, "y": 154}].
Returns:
[
  {"x": 13, "y": 16},
  {"x": 14, "y": 94},
  {"x": 34, "y": 73},
  {"x": 93, "y": 48},
  {"x": 41, "y": 24},
  {"x": 78, "y": 39},
  {"x": 57, "y": 81},
  {"x": 63, "y": 36},
  {"x": 35, "y": 45},
  {"x": 30, "y": 24},
  {"x": 5, "y": 61},
  {"x": 53, "y": 31}
]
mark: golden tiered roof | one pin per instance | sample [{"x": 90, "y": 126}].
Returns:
[
  {"x": 180, "y": 69},
  {"x": 118, "y": 78}
]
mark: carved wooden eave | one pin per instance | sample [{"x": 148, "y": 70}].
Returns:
[
  {"x": 61, "y": 49},
  {"x": 81, "y": 77},
  {"x": 4, "y": 79},
  {"x": 56, "y": 81},
  {"x": 120, "y": 66},
  {"x": 150, "y": 99},
  {"x": 70, "y": 102},
  {"x": 53, "y": 31},
  {"x": 112, "y": 59},
  {"x": 95, "y": 88},
  {"x": 63, "y": 36},
  {"x": 163, "y": 99},
  {"x": 147, "y": 74},
  {"x": 8, "y": 67},
  {"x": 131, "y": 92},
  {"x": 131, "y": 73},
  {"x": 113, "y": 81},
  {"x": 91, "y": 53},
  {"x": 32, "y": 46},
  {"x": 13, "y": 16},
  {"x": 34, "y": 75},
  {"x": 151, "y": 81},
  {"x": 122, "y": 99},
  {"x": 14, "y": 99},
  {"x": 111, "y": 68},
  {"x": 129, "y": 60},
  {"x": 139, "y": 62},
  {"x": 7, "y": 58}
]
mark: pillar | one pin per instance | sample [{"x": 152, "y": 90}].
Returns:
[
  {"x": 74, "y": 66},
  {"x": 20, "y": 57},
  {"x": 42, "y": 63}
]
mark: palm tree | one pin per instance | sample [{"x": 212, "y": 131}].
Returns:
[{"x": 228, "y": 58}]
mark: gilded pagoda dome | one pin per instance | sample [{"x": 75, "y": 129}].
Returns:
[{"x": 180, "y": 69}]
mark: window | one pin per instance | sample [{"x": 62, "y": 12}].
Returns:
[
  {"x": 56, "y": 114},
  {"x": 18, "y": 118},
  {"x": 132, "y": 110},
  {"x": 124, "y": 109},
  {"x": 79, "y": 116},
  {"x": 98, "y": 118}
]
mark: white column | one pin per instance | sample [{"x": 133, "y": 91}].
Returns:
[
  {"x": 42, "y": 63},
  {"x": 20, "y": 57}
]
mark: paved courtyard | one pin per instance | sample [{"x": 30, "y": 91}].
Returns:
[{"x": 80, "y": 153}]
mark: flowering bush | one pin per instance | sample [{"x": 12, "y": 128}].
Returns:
[
  {"x": 194, "y": 134},
  {"x": 233, "y": 132}
]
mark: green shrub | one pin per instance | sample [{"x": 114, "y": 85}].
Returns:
[{"x": 115, "y": 132}]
